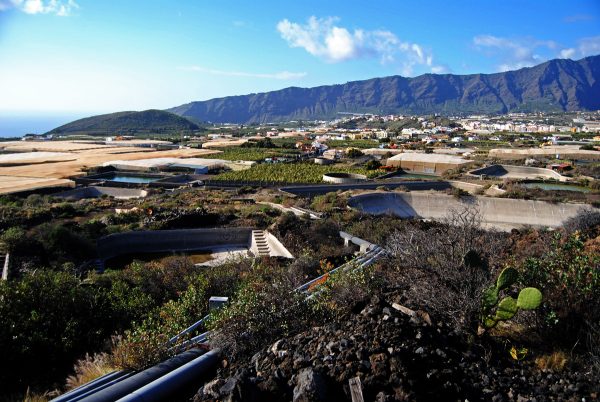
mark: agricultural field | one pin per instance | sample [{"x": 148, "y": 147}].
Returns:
[
  {"x": 251, "y": 154},
  {"x": 292, "y": 173},
  {"x": 353, "y": 143}
]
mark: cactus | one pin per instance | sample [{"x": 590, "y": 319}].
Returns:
[
  {"x": 507, "y": 277},
  {"x": 529, "y": 299},
  {"x": 505, "y": 309}
]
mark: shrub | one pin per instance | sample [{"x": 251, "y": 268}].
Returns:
[
  {"x": 258, "y": 314},
  {"x": 354, "y": 153},
  {"x": 48, "y": 319},
  {"x": 343, "y": 290},
  {"x": 329, "y": 202},
  {"x": 13, "y": 238},
  {"x": 61, "y": 243},
  {"x": 569, "y": 277},
  {"x": 161, "y": 280},
  {"x": 373, "y": 165}
]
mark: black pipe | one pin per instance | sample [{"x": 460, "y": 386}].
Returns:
[
  {"x": 177, "y": 382},
  {"x": 99, "y": 387},
  {"x": 142, "y": 378},
  {"x": 68, "y": 396}
]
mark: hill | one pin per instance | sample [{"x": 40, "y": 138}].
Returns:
[
  {"x": 556, "y": 85},
  {"x": 148, "y": 121}
]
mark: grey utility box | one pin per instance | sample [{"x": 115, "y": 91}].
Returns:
[{"x": 217, "y": 302}]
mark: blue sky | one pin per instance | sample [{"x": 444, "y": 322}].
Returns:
[{"x": 85, "y": 56}]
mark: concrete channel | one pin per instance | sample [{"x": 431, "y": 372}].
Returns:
[{"x": 500, "y": 213}]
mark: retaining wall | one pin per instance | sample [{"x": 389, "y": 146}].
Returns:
[
  {"x": 344, "y": 178},
  {"x": 503, "y": 213},
  {"x": 312, "y": 190},
  {"x": 96, "y": 192},
  {"x": 164, "y": 241}
]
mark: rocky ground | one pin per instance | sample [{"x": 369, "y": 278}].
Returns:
[{"x": 399, "y": 355}]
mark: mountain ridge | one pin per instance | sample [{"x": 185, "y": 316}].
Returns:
[{"x": 555, "y": 85}]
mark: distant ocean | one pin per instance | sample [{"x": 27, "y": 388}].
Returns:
[{"x": 17, "y": 125}]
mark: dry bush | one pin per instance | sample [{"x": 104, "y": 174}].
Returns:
[
  {"x": 587, "y": 221},
  {"x": 593, "y": 345},
  {"x": 36, "y": 397},
  {"x": 88, "y": 369},
  {"x": 446, "y": 267},
  {"x": 555, "y": 361}
]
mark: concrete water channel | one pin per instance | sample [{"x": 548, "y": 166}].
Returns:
[{"x": 499, "y": 213}]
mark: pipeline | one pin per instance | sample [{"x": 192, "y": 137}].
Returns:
[
  {"x": 360, "y": 262},
  {"x": 188, "y": 330},
  {"x": 190, "y": 342},
  {"x": 81, "y": 395},
  {"x": 75, "y": 393},
  {"x": 177, "y": 381},
  {"x": 138, "y": 380}
]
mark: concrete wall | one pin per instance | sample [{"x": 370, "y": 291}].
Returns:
[
  {"x": 157, "y": 241},
  {"x": 502, "y": 213},
  {"x": 494, "y": 191},
  {"x": 518, "y": 172},
  {"x": 562, "y": 151},
  {"x": 277, "y": 249},
  {"x": 424, "y": 167},
  {"x": 343, "y": 178},
  {"x": 312, "y": 190},
  {"x": 468, "y": 187},
  {"x": 96, "y": 192}
]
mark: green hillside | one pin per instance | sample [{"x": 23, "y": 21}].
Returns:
[{"x": 128, "y": 123}]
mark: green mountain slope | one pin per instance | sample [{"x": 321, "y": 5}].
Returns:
[{"x": 125, "y": 123}]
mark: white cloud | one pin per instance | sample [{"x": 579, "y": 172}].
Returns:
[
  {"x": 439, "y": 69},
  {"x": 589, "y": 46},
  {"x": 572, "y": 19},
  {"x": 568, "y": 53},
  {"x": 282, "y": 75},
  {"x": 61, "y": 8},
  {"x": 324, "y": 38},
  {"x": 526, "y": 52},
  {"x": 515, "y": 53}
]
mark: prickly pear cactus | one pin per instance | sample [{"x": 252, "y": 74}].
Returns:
[
  {"x": 505, "y": 309},
  {"x": 507, "y": 278},
  {"x": 529, "y": 299}
]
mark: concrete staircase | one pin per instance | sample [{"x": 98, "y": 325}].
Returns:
[{"x": 260, "y": 240}]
